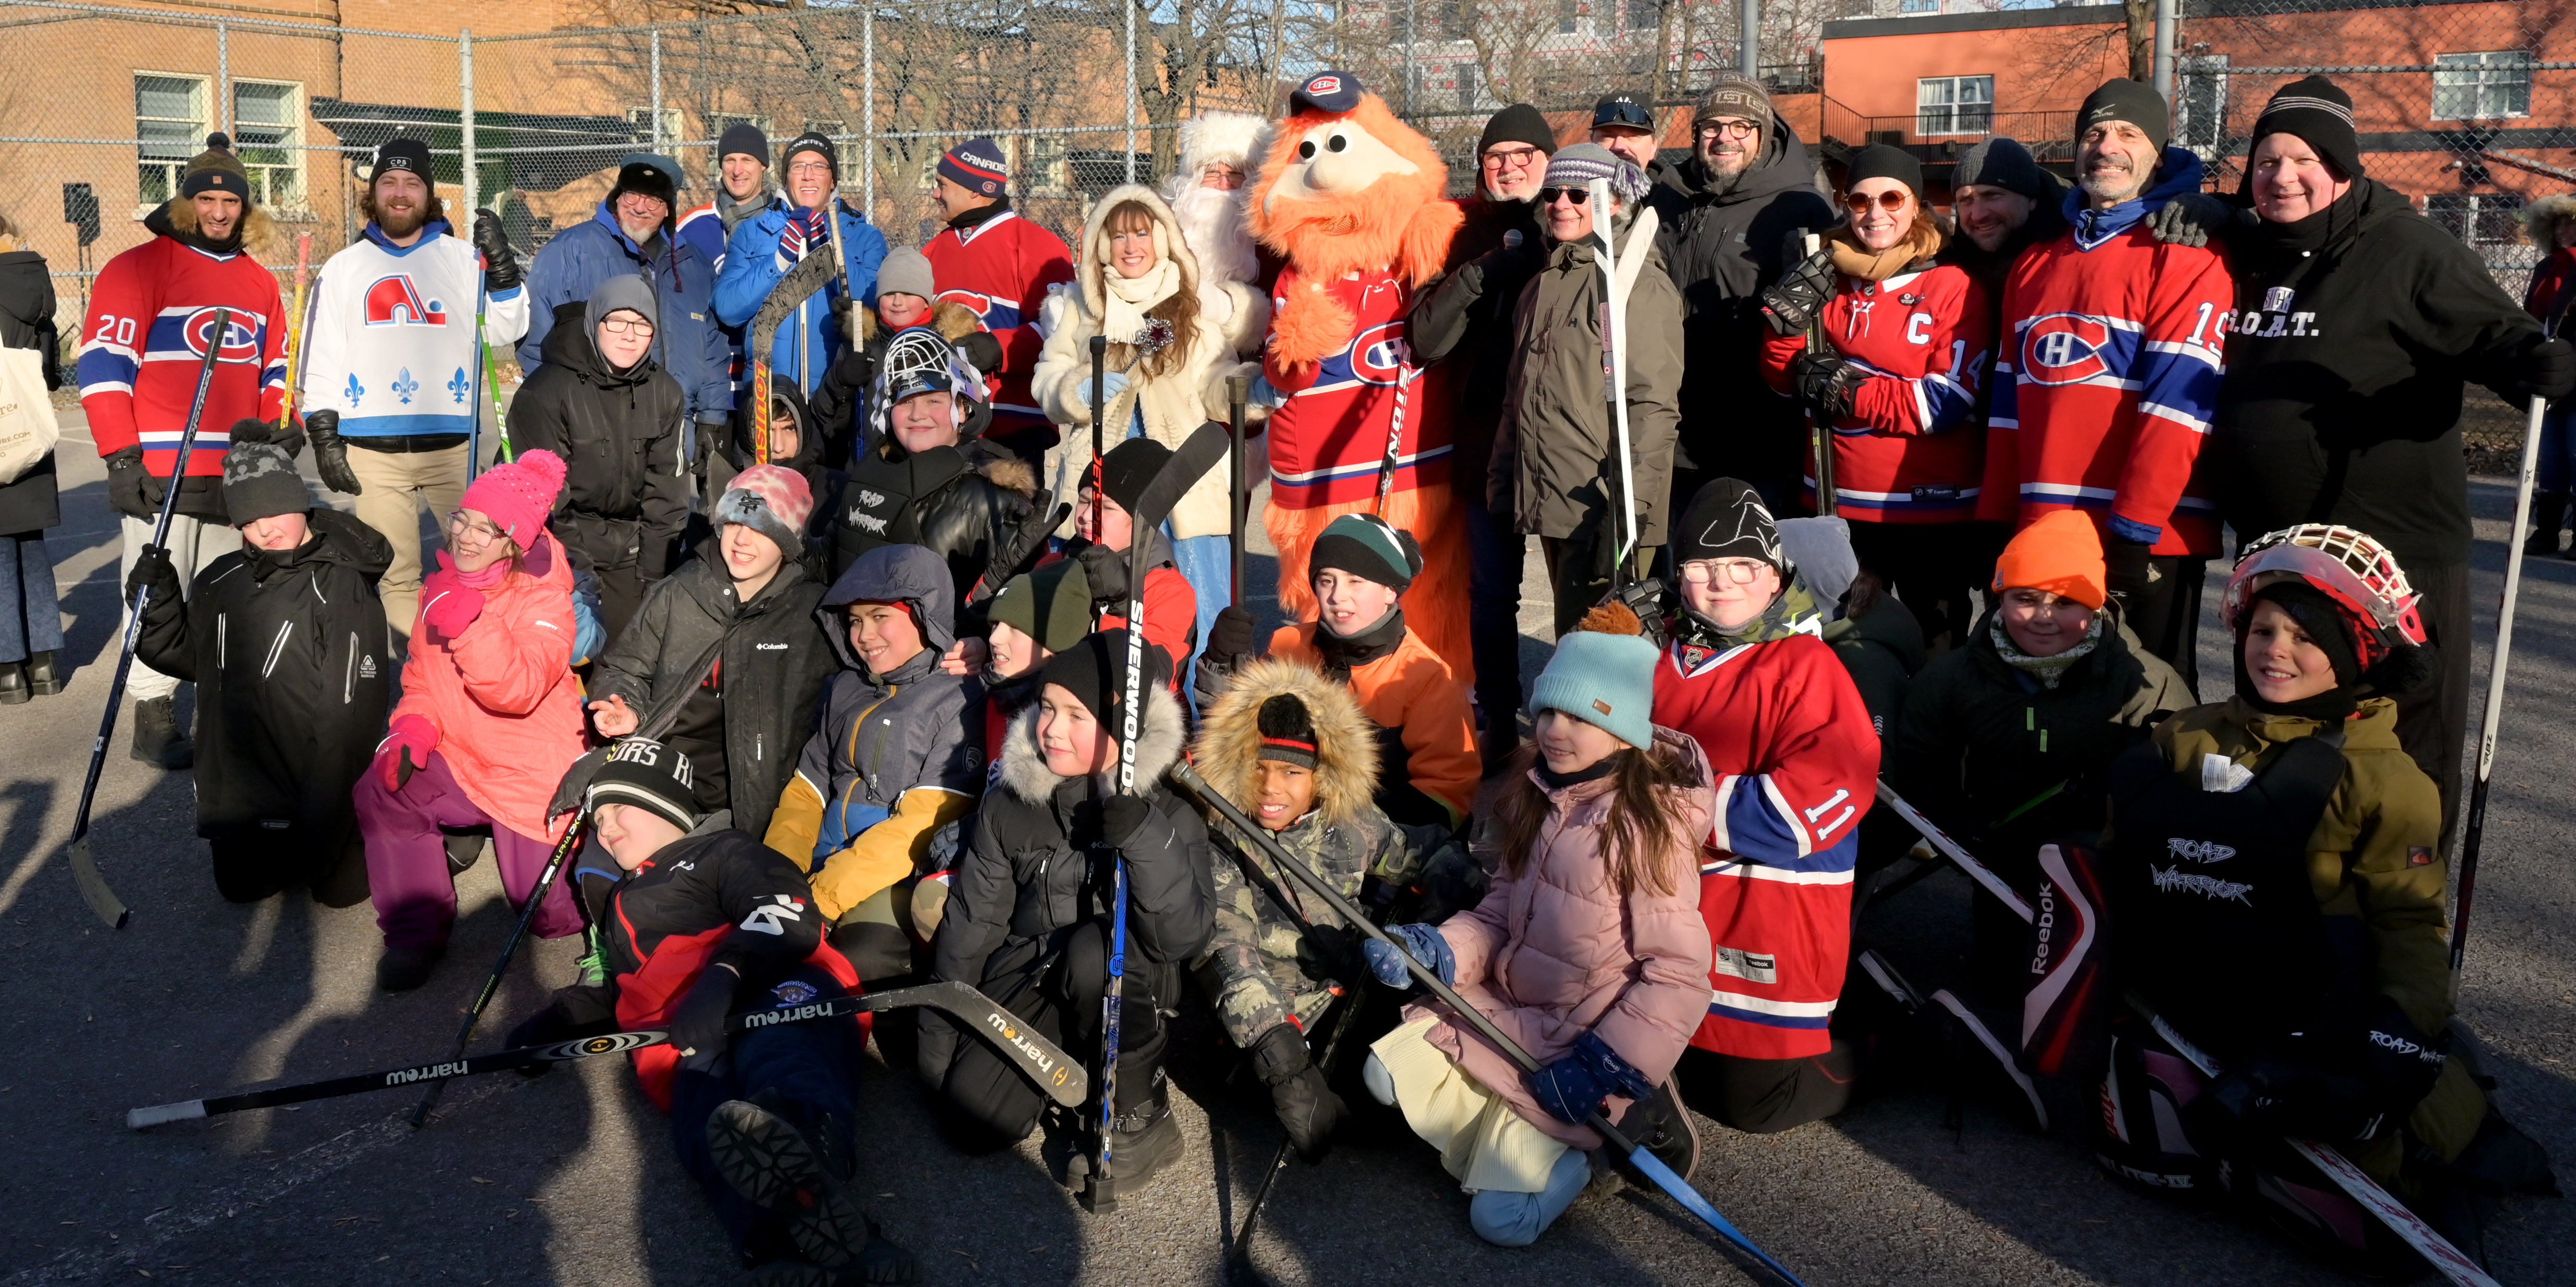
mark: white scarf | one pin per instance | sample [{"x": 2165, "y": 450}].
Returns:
[{"x": 1127, "y": 298}]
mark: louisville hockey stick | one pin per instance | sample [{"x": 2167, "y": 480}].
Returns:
[
  {"x": 1047, "y": 1067},
  {"x": 93, "y": 887},
  {"x": 1647, "y": 1163},
  {"x": 2494, "y": 714}
]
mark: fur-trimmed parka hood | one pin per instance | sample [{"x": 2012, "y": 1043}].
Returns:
[
  {"x": 1346, "y": 751},
  {"x": 1091, "y": 257},
  {"x": 260, "y": 235},
  {"x": 2540, "y": 220},
  {"x": 1024, "y": 770},
  {"x": 951, "y": 318}
]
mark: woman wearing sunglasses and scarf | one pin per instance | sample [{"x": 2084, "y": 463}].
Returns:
[{"x": 1898, "y": 378}]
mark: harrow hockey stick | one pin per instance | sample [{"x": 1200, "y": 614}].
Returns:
[
  {"x": 2427, "y": 1241},
  {"x": 1648, "y": 1164},
  {"x": 555, "y": 861},
  {"x": 295, "y": 332},
  {"x": 2494, "y": 713},
  {"x": 93, "y": 887},
  {"x": 1038, "y": 1059}
]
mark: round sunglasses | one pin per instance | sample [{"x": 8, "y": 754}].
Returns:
[{"x": 1891, "y": 200}]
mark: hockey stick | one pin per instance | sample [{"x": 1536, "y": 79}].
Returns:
[
  {"x": 1394, "y": 431},
  {"x": 1055, "y": 1073},
  {"x": 555, "y": 861},
  {"x": 93, "y": 887},
  {"x": 474, "y": 404},
  {"x": 1821, "y": 432},
  {"x": 1099, "y": 400},
  {"x": 2427, "y": 1241},
  {"x": 2494, "y": 713},
  {"x": 1614, "y": 382},
  {"x": 1648, "y": 1164},
  {"x": 1238, "y": 1260},
  {"x": 295, "y": 332},
  {"x": 1238, "y": 391},
  {"x": 501, "y": 449},
  {"x": 1950, "y": 849},
  {"x": 794, "y": 287}
]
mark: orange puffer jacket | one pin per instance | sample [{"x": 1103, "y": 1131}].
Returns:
[
  {"x": 1430, "y": 730},
  {"x": 502, "y": 693},
  {"x": 1556, "y": 952}
]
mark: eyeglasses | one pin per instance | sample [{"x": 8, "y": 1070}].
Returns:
[
  {"x": 810, "y": 167},
  {"x": 1516, "y": 158},
  {"x": 626, "y": 326},
  {"x": 465, "y": 529},
  {"x": 1738, "y": 571},
  {"x": 1548, "y": 196},
  {"x": 1728, "y": 129},
  {"x": 1893, "y": 199}
]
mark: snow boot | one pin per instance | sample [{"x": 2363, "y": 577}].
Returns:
[
  {"x": 13, "y": 684},
  {"x": 158, "y": 739},
  {"x": 401, "y": 969},
  {"x": 594, "y": 958},
  {"x": 1663, "y": 1127},
  {"x": 1142, "y": 1141},
  {"x": 42, "y": 679},
  {"x": 782, "y": 1169},
  {"x": 2548, "y": 516}
]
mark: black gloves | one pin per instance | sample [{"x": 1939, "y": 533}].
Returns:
[
  {"x": 698, "y": 1026},
  {"x": 1229, "y": 636},
  {"x": 1792, "y": 303},
  {"x": 330, "y": 455},
  {"x": 1107, "y": 571},
  {"x": 2195, "y": 219},
  {"x": 153, "y": 568},
  {"x": 500, "y": 267},
  {"x": 250, "y": 429},
  {"x": 2546, "y": 368},
  {"x": 131, "y": 488},
  {"x": 1120, "y": 816},
  {"x": 1298, "y": 1093},
  {"x": 1333, "y": 952},
  {"x": 2125, "y": 567},
  {"x": 981, "y": 351},
  {"x": 1825, "y": 382}
]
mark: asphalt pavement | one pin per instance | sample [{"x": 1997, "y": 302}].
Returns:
[{"x": 568, "y": 1178}]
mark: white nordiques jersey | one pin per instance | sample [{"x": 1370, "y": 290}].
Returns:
[{"x": 389, "y": 335}]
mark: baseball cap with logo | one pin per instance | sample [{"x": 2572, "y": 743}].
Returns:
[{"x": 1326, "y": 91}]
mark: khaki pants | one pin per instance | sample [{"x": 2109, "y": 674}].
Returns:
[
  {"x": 194, "y": 543},
  {"x": 395, "y": 484}
]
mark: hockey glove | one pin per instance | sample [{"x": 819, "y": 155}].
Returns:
[
  {"x": 1573, "y": 1088},
  {"x": 981, "y": 351},
  {"x": 1229, "y": 637},
  {"x": 1792, "y": 303},
  {"x": 500, "y": 267},
  {"x": 131, "y": 488},
  {"x": 1306, "y": 1105},
  {"x": 447, "y": 604},
  {"x": 2294, "y": 1088},
  {"x": 1424, "y": 943},
  {"x": 2399, "y": 1062},
  {"x": 1106, "y": 570},
  {"x": 1825, "y": 382},
  {"x": 152, "y": 569},
  {"x": 1332, "y": 952},
  {"x": 405, "y": 750},
  {"x": 2544, "y": 369},
  {"x": 1120, "y": 816},
  {"x": 2194, "y": 219},
  {"x": 698, "y": 1025},
  {"x": 2126, "y": 569},
  {"x": 330, "y": 454}
]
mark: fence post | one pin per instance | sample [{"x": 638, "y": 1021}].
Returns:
[
  {"x": 1751, "y": 12},
  {"x": 223, "y": 78},
  {"x": 2164, "y": 64},
  {"x": 465, "y": 119},
  {"x": 868, "y": 108},
  {"x": 1131, "y": 90},
  {"x": 1411, "y": 7},
  {"x": 657, "y": 90}
]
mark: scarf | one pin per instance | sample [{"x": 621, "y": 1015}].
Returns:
[
  {"x": 489, "y": 577},
  {"x": 1601, "y": 768},
  {"x": 2049, "y": 671},
  {"x": 1125, "y": 299},
  {"x": 1852, "y": 259},
  {"x": 1369, "y": 645},
  {"x": 2271, "y": 247},
  {"x": 1792, "y": 612}
]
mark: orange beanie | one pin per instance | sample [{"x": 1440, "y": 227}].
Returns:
[{"x": 2061, "y": 553}]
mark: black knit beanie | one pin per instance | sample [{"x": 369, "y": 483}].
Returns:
[
  {"x": 745, "y": 138},
  {"x": 2003, "y": 163},
  {"x": 1131, "y": 467},
  {"x": 1518, "y": 123},
  {"x": 1287, "y": 732},
  {"x": 1727, "y": 520},
  {"x": 1879, "y": 161},
  {"x": 1095, "y": 671},
  {"x": 2122, "y": 99},
  {"x": 2319, "y": 113},
  {"x": 816, "y": 142}
]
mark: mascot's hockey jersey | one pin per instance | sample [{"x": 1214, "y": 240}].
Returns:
[
  {"x": 389, "y": 342},
  {"x": 1000, "y": 268},
  {"x": 1904, "y": 453},
  {"x": 1351, "y": 197},
  {"x": 2108, "y": 377},
  {"x": 151, "y": 316},
  {"x": 1796, "y": 763}
]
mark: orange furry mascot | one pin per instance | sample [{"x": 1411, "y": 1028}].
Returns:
[{"x": 1353, "y": 199}]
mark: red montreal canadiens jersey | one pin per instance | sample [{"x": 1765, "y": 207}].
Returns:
[
  {"x": 1906, "y": 453},
  {"x": 2105, "y": 387},
  {"x": 1328, "y": 441},
  {"x": 1000, "y": 270},
  {"x": 151, "y": 318},
  {"x": 1797, "y": 768}
]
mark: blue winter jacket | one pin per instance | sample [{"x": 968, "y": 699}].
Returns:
[
  {"x": 688, "y": 343},
  {"x": 751, "y": 269}
]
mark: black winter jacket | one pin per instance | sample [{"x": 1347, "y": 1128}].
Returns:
[
  {"x": 808, "y": 463},
  {"x": 1030, "y": 873},
  {"x": 31, "y": 504},
  {"x": 1470, "y": 311},
  {"x": 294, "y": 668},
  {"x": 963, "y": 503},
  {"x": 772, "y": 667},
  {"x": 2342, "y": 399},
  {"x": 625, "y": 498}
]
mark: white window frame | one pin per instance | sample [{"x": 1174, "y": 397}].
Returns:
[
  {"x": 189, "y": 145},
  {"x": 2478, "y": 81},
  {"x": 1951, "y": 114},
  {"x": 642, "y": 114},
  {"x": 263, "y": 175},
  {"x": 2203, "y": 130}
]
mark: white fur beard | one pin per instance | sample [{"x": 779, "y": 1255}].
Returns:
[{"x": 1211, "y": 222}]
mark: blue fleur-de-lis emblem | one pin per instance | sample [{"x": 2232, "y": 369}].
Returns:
[
  {"x": 457, "y": 385},
  {"x": 357, "y": 391},
  {"x": 404, "y": 386}
]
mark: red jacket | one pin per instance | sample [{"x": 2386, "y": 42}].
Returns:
[
  {"x": 1796, "y": 762},
  {"x": 1171, "y": 620},
  {"x": 1906, "y": 453},
  {"x": 1328, "y": 440},
  {"x": 1000, "y": 270},
  {"x": 2104, "y": 393},
  {"x": 2555, "y": 274},
  {"x": 145, "y": 339}
]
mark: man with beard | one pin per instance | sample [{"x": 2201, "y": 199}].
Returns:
[
  {"x": 2107, "y": 374},
  {"x": 1496, "y": 252},
  {"x": 390, "y": 355},
  {"x": 1207, "y": 192},
  {"x": 2003, "y": 204},
  {"x": 1731, "y": 218}
]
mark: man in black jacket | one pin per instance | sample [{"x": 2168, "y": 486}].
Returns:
[
  {"x": 619, "y": 421},
  {"x": 2357, "y": 324},
  {"x": 286, "y": 642},
  {"x": 1729, "y": 216},
  {"x": 704, "y": 921}
]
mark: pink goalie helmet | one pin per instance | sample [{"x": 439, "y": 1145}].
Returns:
[{"x": 2346, "y": 565}]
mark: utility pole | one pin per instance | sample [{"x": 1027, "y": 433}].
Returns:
[
  {"x": 2165, "y": 51},
  {"x": 1752, "y": 56}
]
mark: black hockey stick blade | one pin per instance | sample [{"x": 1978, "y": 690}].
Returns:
[
  {"x": 1202, "y": 451},
  {"x": 93, "y": 887},
  {"x": 1058, "y": 1075},
  {"x": 797, "y": 285}
]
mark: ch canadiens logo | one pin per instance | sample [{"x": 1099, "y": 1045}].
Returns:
[
  {"x": 240, "y": 339},
  {"x": 2065, "y": 348},
  {"x": 395, "y": 301},
  {"x": 1324, "y": 85},
  {"x": 1379, "y": 354}
]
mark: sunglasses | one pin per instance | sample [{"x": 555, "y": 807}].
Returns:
[
  {"x": 1548, "y": 196},
  {"x": 1632, "y": 115},
  {"x": 1891, "y": 200}
]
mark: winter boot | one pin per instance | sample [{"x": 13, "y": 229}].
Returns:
[
  {"x": 2548, "y": 515},
  {"x": 781, "y": 1169},
  {"x": 1660, "y": 1125},
  {"x": 158, "y": 739},
  {"x": 13, "y": 683},
  {"x": 42, "y": 679},
  {"x": 464, "y": 849},
  {"x": 1142, "y": 1141},
  {"x": 594, "y": 958},
  {"x": 401, "y": 969}
]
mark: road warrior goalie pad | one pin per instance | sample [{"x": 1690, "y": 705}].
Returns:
[{"x": 2068, "y": 1005}]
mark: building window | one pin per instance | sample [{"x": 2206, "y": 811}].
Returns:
[
  {"x": 268, "y": 127},
  {"x": 2203, "y": 127},
  {"x": 171, "y": 120},
  {"x": 642, "y": 119},
  {"x": 1644, "y": 14},
  {"x": 2487, "y": 221},
  {"x": 1954, "y": 105},
  {"x": 1569, "y": 17},
  {"x": 1045, "y": 166},
  {"x": 1468, "y": 91},
  {"x": 2480, "y": 87},
  {"x": 1918, "y": 6}
]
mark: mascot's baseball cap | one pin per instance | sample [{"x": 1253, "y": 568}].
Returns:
[
  {"x": 1326, "y": 91},
  {"x": 976, "y": 165}
]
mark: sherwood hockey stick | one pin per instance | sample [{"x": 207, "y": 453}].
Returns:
[
  {"x": 1038, "y": 1059},
  {"x": 555, "y": 861},
  {"x": 1648, "y": 1164},
  {"x": 1614, "y": 380},
  {"x": 1238, "y": 392},
  {"x": 2427, "y": 1241},
  {"x": 794, "y": 287},
  {"x": 2494, "y": 713},
  {"x": 93, "y": 887},
  {"x": 295, "y": 333}
]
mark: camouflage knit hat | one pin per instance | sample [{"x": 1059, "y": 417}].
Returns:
[{"x": 260, "y": 482}]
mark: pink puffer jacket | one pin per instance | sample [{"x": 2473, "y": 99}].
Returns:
[
  {"x": 503, "y": 695},
  {"x": 1557, "y": 952}
]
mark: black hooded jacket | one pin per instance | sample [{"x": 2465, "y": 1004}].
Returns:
[
  {"x": 625, "y": 497},
  {"x": 963, "y": 503},
  {"x": 293, "y": 666},
  {"x": 1470, "y": 311},
  {"x": 2342, "y": 398},
  {"x": 1724, "y": 244}
]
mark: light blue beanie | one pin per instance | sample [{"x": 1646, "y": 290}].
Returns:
[{"x": 1602, "y": 679}]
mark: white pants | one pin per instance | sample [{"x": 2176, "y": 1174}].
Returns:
[{"x": 194, "y": 543}]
